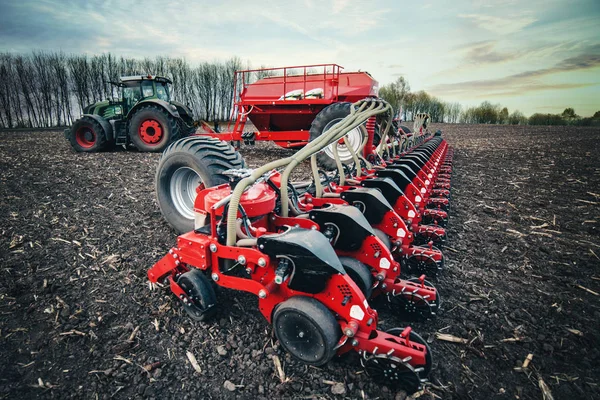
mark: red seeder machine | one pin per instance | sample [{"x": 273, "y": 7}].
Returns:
[
  {"x": 316, "y": 252},
  {"x": 294, "y": 105}
]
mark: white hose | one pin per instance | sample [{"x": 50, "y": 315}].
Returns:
[{"x": 339, "y": 130}]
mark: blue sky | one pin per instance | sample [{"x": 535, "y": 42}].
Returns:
[{"x": 536, "y": 56}]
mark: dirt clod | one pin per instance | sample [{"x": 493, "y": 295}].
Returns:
[
  {"x": 229, "y": 386},
  {"x": 222, "y": 350}
]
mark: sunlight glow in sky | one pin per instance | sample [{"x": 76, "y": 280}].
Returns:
[{"x": 535, "y": 56}]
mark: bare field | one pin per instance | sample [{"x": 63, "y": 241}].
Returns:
[{"x": 79, "y": 232}]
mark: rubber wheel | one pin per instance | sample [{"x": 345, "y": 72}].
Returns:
[
  {"x": 87, "y": 135},
  {"x": 383, "y": 237},
  {"x": 324, "y": 121},
  {"x": 360, "y": 274},
  {"x": 183, "y": 166},
  {"x": 307, "y": 330},
  {"x": 199, "y": 290},
  {"x": 415, "y": 337},
  {"x": 152, "y": 128}
]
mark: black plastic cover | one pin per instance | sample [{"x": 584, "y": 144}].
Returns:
[
  {"x": 374, "y": 204},
  {"x": 405, "y": 169},
  {"x": 313, "y": 257},
  {"x": 397, "y": 176},
  {"x": 352, "y": 226},
  {"x": 386, "y": 186}
]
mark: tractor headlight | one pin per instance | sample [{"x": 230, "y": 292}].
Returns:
[{"x": 118, "y": 110}]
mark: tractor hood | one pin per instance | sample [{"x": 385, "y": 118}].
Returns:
[{"x": 106, "y": 109}]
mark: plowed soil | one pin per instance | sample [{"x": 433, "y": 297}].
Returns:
[{"x": 78, "y": 320}]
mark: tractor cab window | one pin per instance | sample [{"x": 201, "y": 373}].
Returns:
[
  {"x": 147, "y": 88},
  {"x": 131, "y": 94},
  {"x": 162, "y": 91}
]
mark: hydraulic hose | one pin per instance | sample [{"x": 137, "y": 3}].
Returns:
[
  {"x": 338, "y": 131},
  {"x": 335, "y": 133}
]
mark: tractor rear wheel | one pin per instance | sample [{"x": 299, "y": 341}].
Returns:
[
  {"x": 87, "y": 135},
  {"x": 152, "y": 128},
  {"x": 306, "y": 329},
  {"x": 324, "y": 121},
  {"x": 185, "y": 165}
]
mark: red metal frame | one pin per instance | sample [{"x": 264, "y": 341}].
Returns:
[
  {"x": 356, "y": 318},
  {"x": 342, "y": 296}
]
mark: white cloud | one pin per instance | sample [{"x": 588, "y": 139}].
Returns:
[
  {"x": 500, "y": 25},
  {"x": 339, "y": 5}
]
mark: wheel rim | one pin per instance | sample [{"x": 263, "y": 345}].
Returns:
[
  {"x": 183, "y": 185},
  {"x": 85, "y": 137},
  {"x": 412, "y": 306},
  {"x": 435, "y": 305},
  {"x": 151, "y": 131},
  {"x": 421, "y": 264},
  {"x": 391, "y": 371},
  {"x": 300, "y": 337},
  {"x": 354, "y": 137},
  {"x": 415, "y": 337}
]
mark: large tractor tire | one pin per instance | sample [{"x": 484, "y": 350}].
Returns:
[
  {"x": 324, "y": 121},
  {"x": 87, "y": 135},
  {"x": 152, "y": 128},
  {"x": 183, "y": 166}
]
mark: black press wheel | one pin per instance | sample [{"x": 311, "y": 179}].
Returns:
[
  {"x": 152, "y": 128},
  {"x": 201, "y": 301},
  {"x": 87, "y": 135},
  {"x": 183, "y": 166},
  {"x": 383, "y": 237},
  {"x": 360, "y": 274},
  {"x": 306, "y": 329},
  {"x": 324, "y": 121}
]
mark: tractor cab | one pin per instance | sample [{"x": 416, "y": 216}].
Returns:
[{"x": 137, "y": 88}]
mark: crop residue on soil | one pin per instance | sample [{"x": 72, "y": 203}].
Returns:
[{"x": 78, "y": 319}]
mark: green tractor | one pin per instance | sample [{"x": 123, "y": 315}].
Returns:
[{"x": 144, "y": 117}]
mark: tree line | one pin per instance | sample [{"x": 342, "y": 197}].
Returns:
[
  {"x": 408, "y": 103},
  {"x": 45, "y": 89}
]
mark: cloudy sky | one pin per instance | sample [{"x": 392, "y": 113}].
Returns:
[{"x": 536, "y": 56}]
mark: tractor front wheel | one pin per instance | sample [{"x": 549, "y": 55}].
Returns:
[
  {"x": 86, "y": 135},
  {"x": 152, "y": 128}
]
